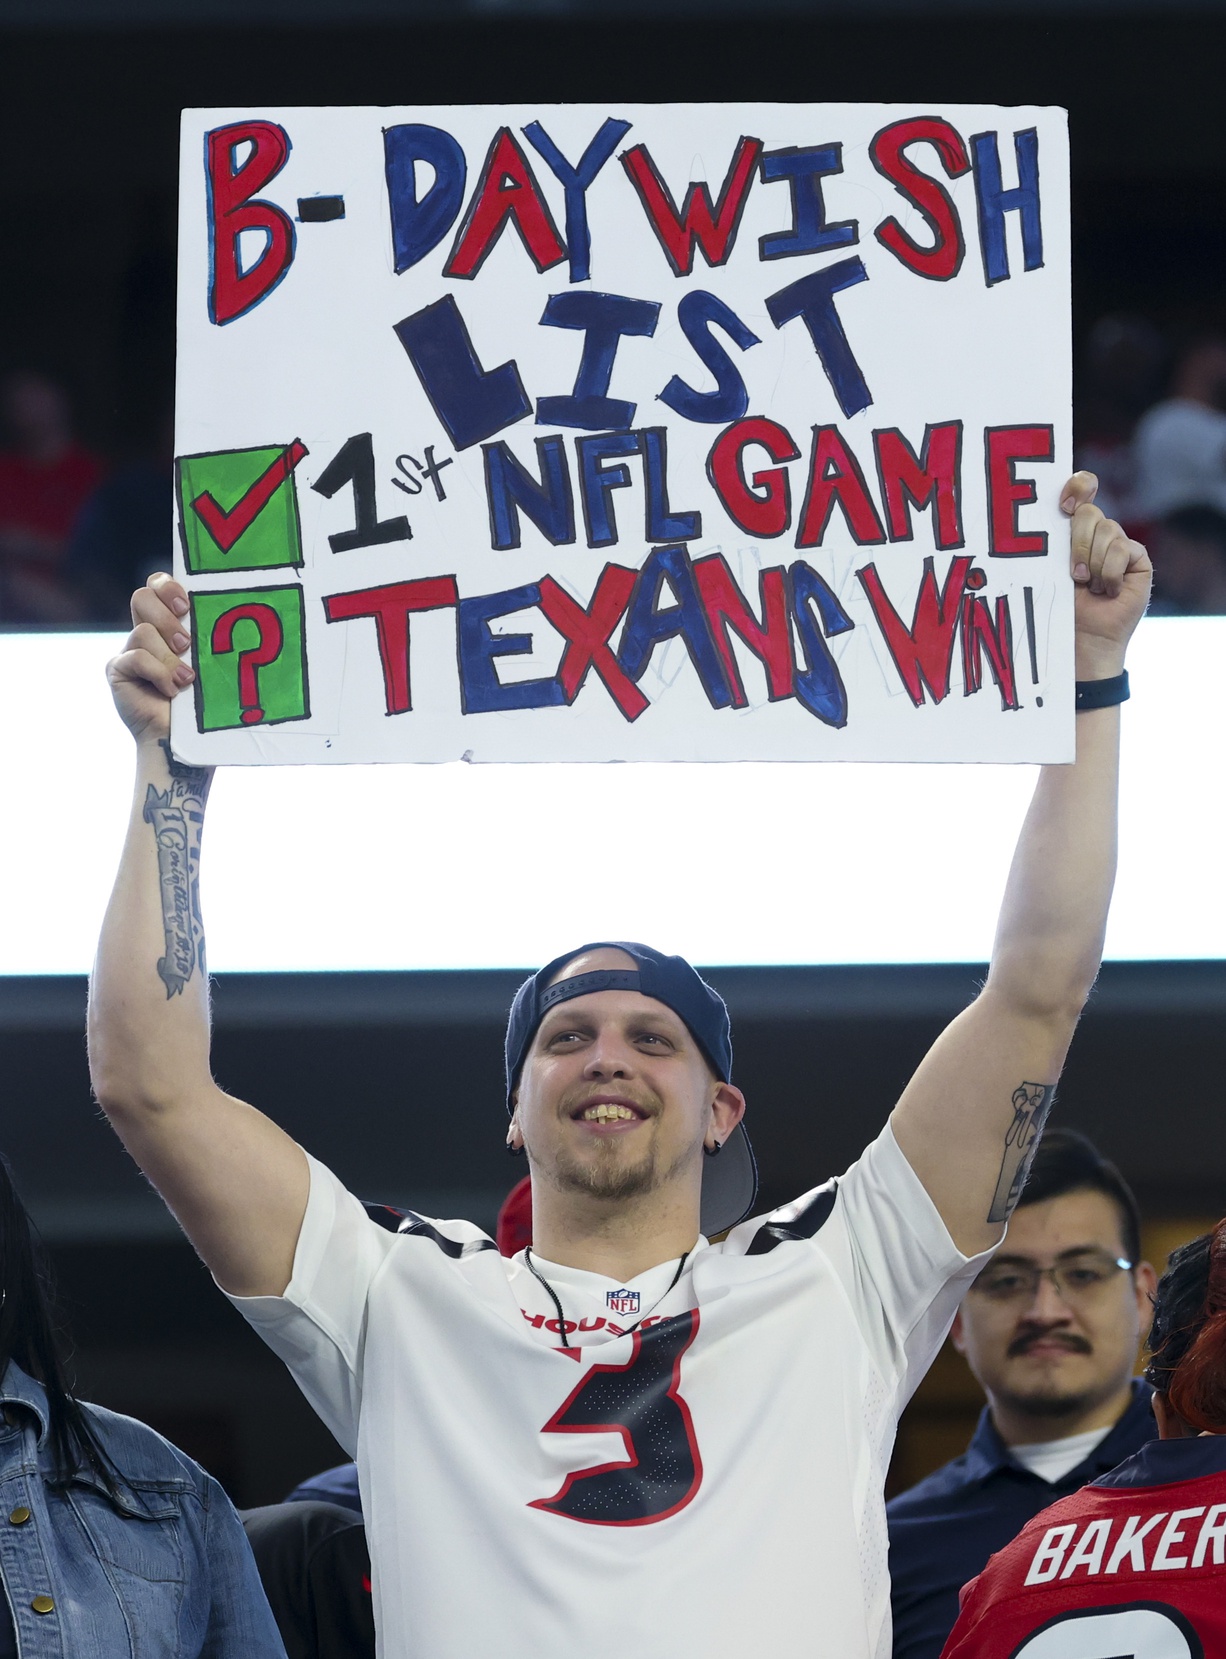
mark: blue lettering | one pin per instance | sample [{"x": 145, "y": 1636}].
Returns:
[
  {"x": 604, "y": 318},
  {"x": 595, "y": 482},
  {"x": 812, "y": 300},
  {"x": 648, "y": 626},
  {"x": 420, "y": 223},
  {"x": 995, "y": 201},
  {"x": 804, "y": 170},
  {"x": 473, "y": 403},
  {"x": 481, "y": 691},
  {"x": 510, "y": 488},
  {"x": 819, "y": 686},
  {"x": 575, "y": 181},
  {"x": 697, "y": 313}
]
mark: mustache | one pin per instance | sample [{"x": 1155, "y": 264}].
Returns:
[{"x": 1065, "y": 1339}]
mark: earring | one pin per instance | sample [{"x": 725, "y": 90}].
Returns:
[
  {"x": 713, "y": 1151},
  {"x": 515, "y": 1151}
]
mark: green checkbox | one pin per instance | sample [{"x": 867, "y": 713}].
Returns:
[
  {"x": 249, "y": 653},
  {"x": 238, "y": 508}
]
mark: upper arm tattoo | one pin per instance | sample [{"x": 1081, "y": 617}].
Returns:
[
  {"x": 1031, "y": 1104},
  {"x": 176, "y": 815}
]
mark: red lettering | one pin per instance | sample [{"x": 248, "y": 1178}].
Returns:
[
  {"x": 908, "y": 479},
  {"x": 507, "y": 192},
  {"x": 391, "y": 608},
  {"x": 979, "y": 634},
  {"x": 588, "y": 635},
  {"x": 713, "y": 229},
  {"x": 770, "y": 640},
  {"x": 932, "y": 201},
  {"x": 835, "y": 476},
  {"x": 1004, "y": 447},
  {"x": 922, "y": 653},
  {"x": 764, "y": 506},
  {"x": 232, "y": 210}
]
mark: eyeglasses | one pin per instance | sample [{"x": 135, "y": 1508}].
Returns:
[{"x": 1078, "y": 1280}]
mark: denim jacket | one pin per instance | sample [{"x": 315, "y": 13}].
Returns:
[{"x": 163, "y": 1571}]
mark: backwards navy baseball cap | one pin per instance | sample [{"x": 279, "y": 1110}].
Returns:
[{"x": 729, "y": 1181}]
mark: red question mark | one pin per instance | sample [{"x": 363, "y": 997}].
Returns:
[{"x": 272, "y": 637}]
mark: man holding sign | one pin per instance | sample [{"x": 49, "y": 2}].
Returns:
[{"x": 626, "y": 1439}]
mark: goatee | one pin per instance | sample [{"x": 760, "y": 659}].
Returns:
[
  {"x": 1053, "y": 1405},
  {"x": 609, "y": 1180}
]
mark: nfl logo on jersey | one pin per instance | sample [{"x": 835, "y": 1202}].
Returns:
[{"x": 622, "y": 1301}]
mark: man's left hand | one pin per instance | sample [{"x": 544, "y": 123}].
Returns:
[{"x": 1112, "y": 574}]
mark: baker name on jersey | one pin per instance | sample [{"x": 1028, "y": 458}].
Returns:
[
  {"x": 1180, "y": 1543},
  {"x": 622, "y": 1301}
]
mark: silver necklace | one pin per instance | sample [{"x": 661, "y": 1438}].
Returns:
[{"x": 557, "y": 1300}]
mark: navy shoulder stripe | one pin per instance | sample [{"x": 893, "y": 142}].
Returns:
[
  {"x": 385, "y": 1215},
  {"x": 414, "y": 1223},
  {"x": 408, "y": 1221},
  {"x": 804, "y": 1224}
]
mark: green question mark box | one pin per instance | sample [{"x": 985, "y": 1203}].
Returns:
[{"x": 249, "y": 653}]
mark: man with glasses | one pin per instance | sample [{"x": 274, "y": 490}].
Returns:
[{"x": 1051, "y": 1329}]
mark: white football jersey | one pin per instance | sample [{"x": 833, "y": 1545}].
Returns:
[{"x": 706, "y": 1484}]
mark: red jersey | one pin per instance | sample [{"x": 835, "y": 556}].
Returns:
[
  {"x": 44, "y": 498},
  {"x": 1133, "y": 1567}
]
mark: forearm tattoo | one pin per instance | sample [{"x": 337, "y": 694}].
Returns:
[
  {"x": 177, "y": 817},
  {"x": 1031, "y": 1104}
]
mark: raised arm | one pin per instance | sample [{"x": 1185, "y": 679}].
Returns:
[
  {"x": 969, "y": 1119},
  {"x": 237, "y": 1183}
]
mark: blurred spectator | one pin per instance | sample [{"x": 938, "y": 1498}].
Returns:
[
  {"x": 115, "y": 1542},
  {"x": 514, "y": 1230},
  {"x": 315, "y": 1568},
  {"x": 1189, "y": 553},
  {"x": 124, "y": 531},
  {"x": 1122, "y": 370},
  {"x": 337, "y": 1486},
  {"x": 1098, "y": 1573},
  {"x": 1050, "y": 1329},
  {"x": 45, "y": 478},
  {"x": 1180, "y": 444}
]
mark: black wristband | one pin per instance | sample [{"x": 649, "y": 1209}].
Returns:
[{"x": 1102, "y": 694}]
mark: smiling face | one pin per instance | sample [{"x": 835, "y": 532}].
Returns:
[
  {"x": 1055, "y": 1354},
  {"x": 616, "y": 1098}
]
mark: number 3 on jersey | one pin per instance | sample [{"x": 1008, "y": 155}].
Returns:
[
  {"x": 1144, "y": 1630},
  {"x": 640, "y": 1401}
]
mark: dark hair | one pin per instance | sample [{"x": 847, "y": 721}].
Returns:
[
  {"x": 1187, "y": 1340},
  {"x": 1068, "y": 1162},
  {"x": 29, "y": 1335}
]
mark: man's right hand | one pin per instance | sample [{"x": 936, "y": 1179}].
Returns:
[{"x": 148, "y": 673}]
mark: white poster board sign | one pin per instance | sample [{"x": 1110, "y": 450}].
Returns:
[{"x": 666, "y": 432}]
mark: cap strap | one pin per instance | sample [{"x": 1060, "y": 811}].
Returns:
[{"x": 602, "y": 979}]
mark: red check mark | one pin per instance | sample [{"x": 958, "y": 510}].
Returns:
[{"x": 226, "y": 527}]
